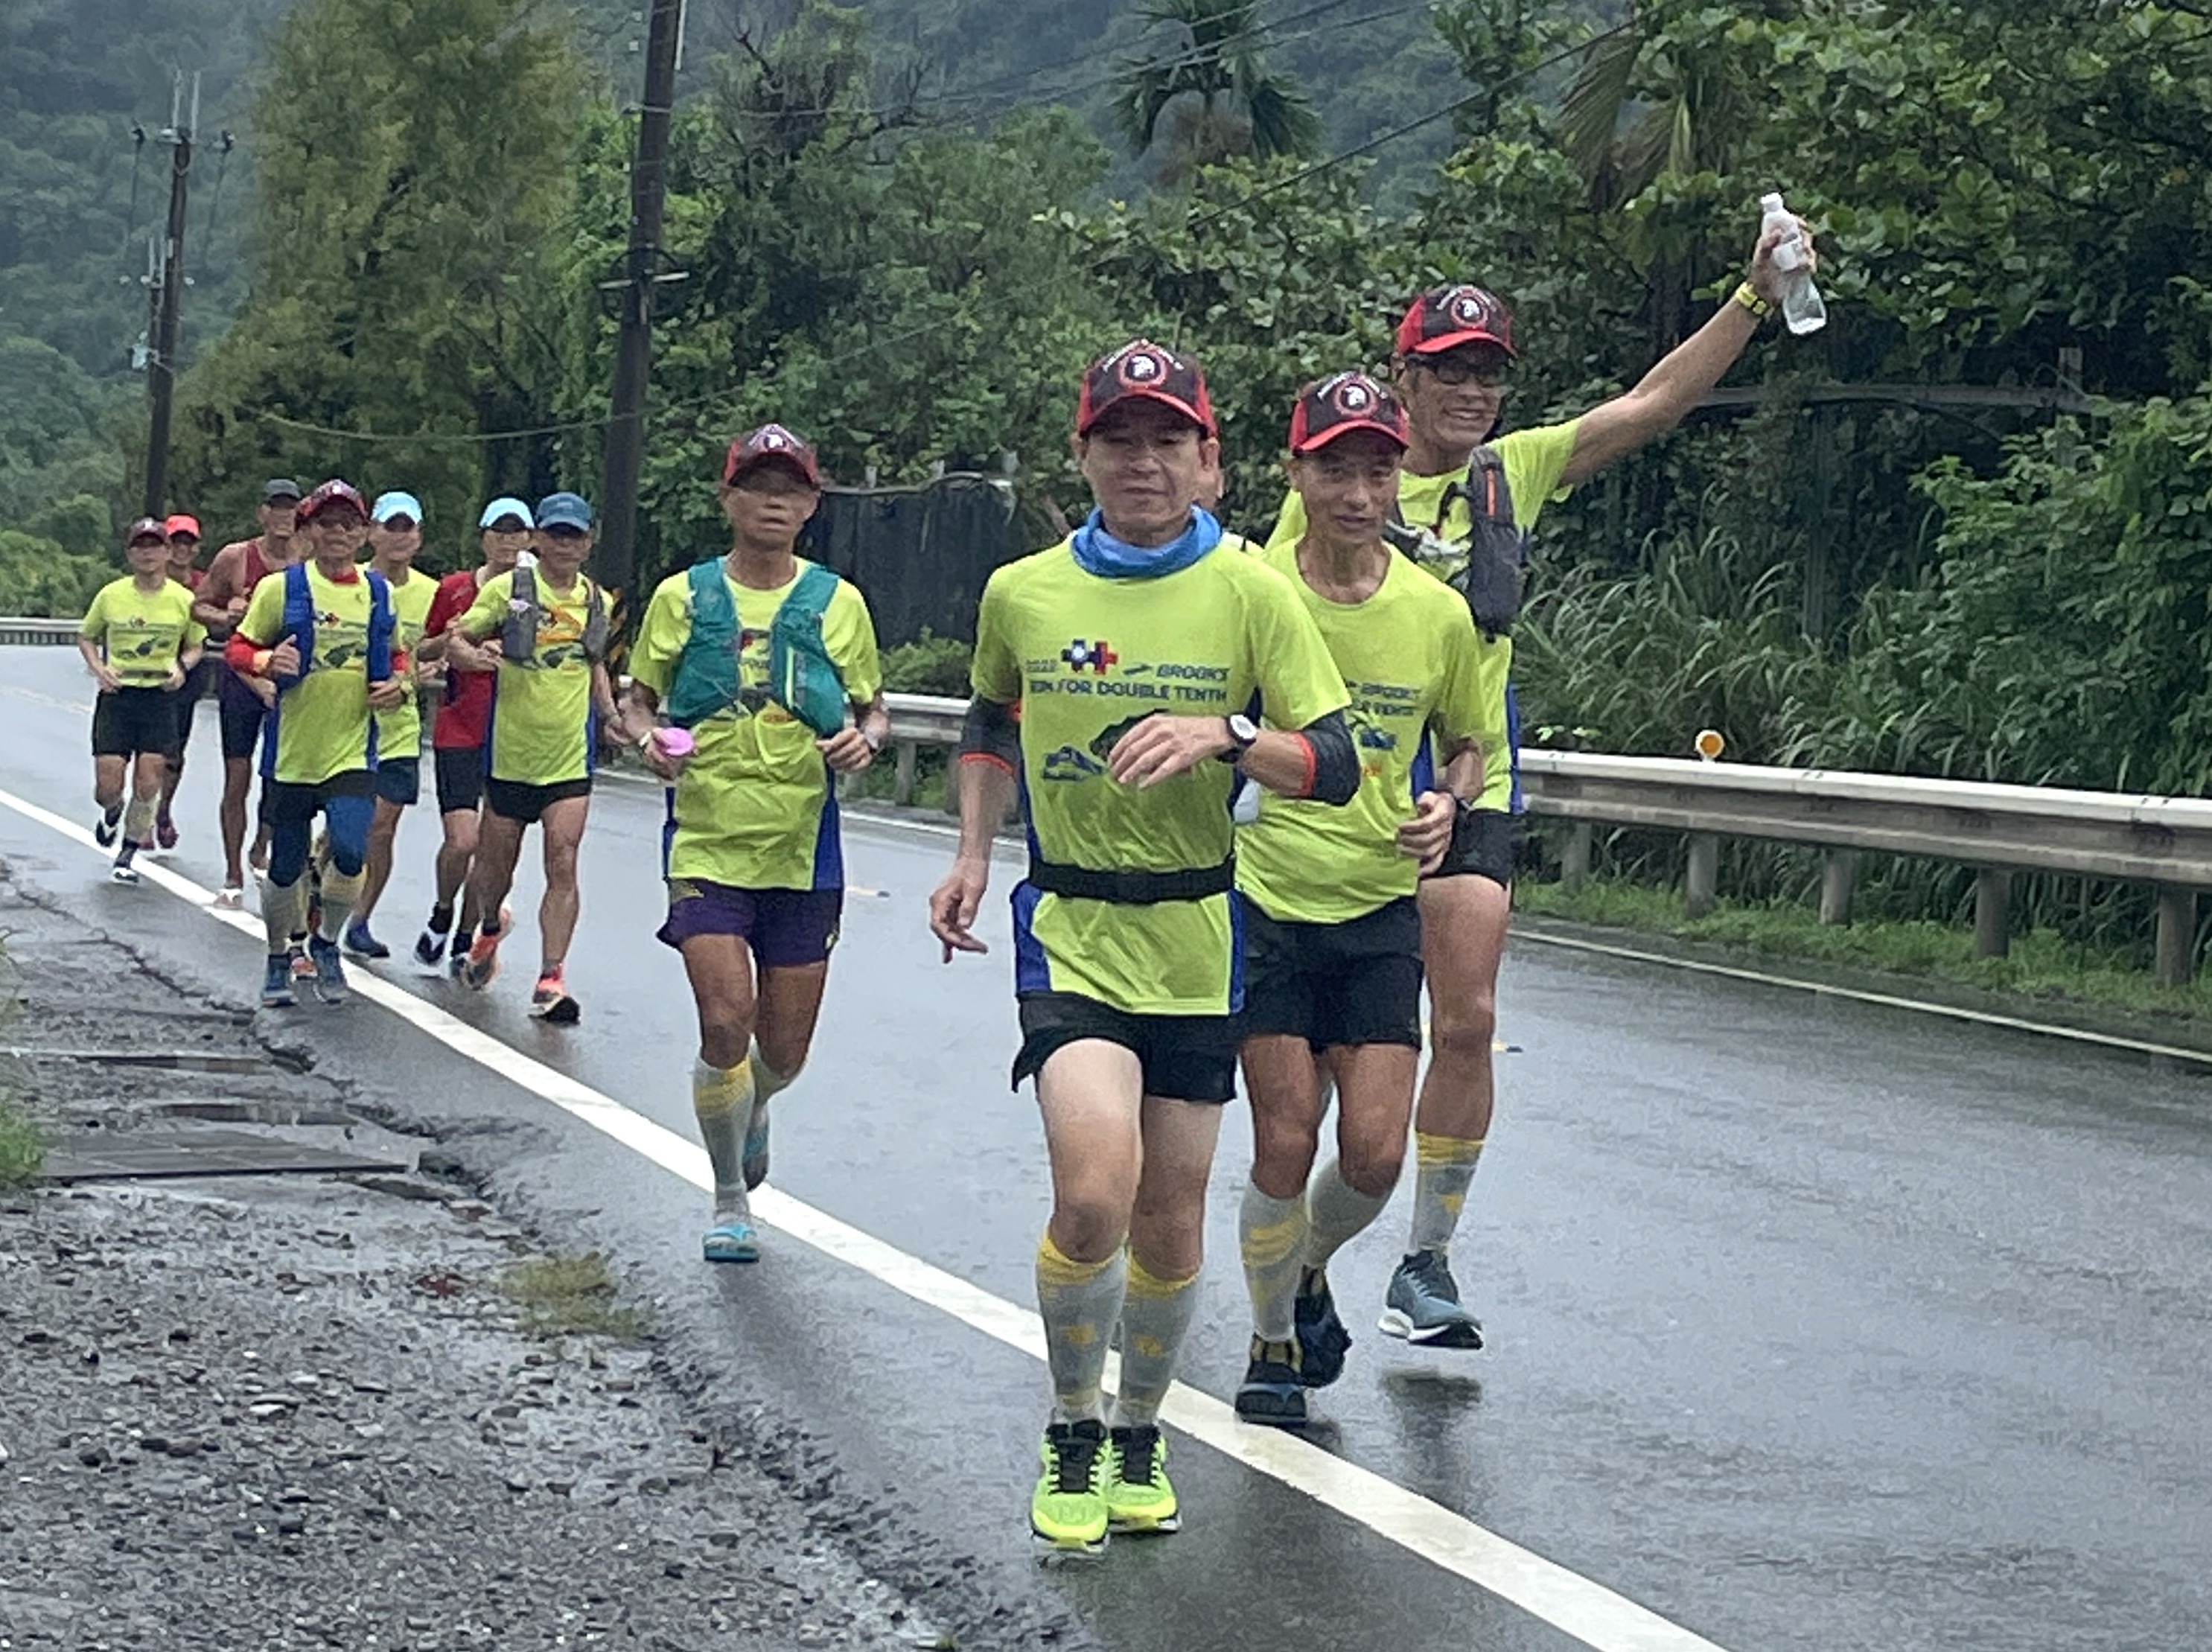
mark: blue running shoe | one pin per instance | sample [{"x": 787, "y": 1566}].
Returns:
[
  {"x": 1323, "y": 1341},
  {"x": 1423, "y": 1305},
  {"x": 330, "y": 969},
  {"x": 731, "y": 1239},
  {"x": 1272, "y": 1391},
  {"x": 362, "y": 944},
  {"x": 755, "y": 1159},
  {"x": 276, "y": 983}
]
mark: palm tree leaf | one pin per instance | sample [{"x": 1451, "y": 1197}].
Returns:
[{"x": 1590, "y": 115}]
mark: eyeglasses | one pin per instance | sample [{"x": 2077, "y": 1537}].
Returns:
[
  {"x": 1453, "y": 371},
  {"x": 399, "y": 524},
  {"x": 566, "y": 532}
]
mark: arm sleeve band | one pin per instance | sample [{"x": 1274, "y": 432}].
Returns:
[
  {"x": 240, "y": 652},
  {"x": 1336, "y": 762},
  {"x": 991, "y": 734}
]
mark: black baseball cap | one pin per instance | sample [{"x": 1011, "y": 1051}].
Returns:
[
  {"x": 1341, "y": 403},
  {"x": 1444, "y": 318},
  {"x": 1142, "y": 371},
  {"x": 278, "y": 487}
]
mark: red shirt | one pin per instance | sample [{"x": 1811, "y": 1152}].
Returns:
[{"x": 464, "y": 714}]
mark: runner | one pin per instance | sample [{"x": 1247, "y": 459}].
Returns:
[
  {"x": 755, "y": 865},
  {"x": 552, "y": 693},
  {"x": 395, "y": 535},
  {"x": 1333, "y": 937},
  {"x": 183, "y": 533},
  {"x": 1455, "y": 351},
  {"x": 323, "y": 635},
  {"x": 141, "y": 641},
  {"x": 243, "y": 701},
  {"x": 1134, "y": 653},
  {"x": 462, "y": 726}
]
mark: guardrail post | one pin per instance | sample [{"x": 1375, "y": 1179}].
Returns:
[
  {"x": 1992, "y": 913},
  {"x": 903, "y": 779},
  {"x": 1702, "y": 887},
  {"x": 1575, "y": 860},
  {"x": 1839, "y": 875},
  {"x": 2176, "y": 935}
]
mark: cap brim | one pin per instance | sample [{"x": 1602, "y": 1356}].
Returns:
[
  {"x": 1452, "y": 341},
  {"x": 1335, "y": 433},
  {"x": 1174, "y": 404}
]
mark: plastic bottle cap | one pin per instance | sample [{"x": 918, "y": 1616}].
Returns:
[
  {"x": 1771, "y": 203},
  {"x": 1710, "y": 745},
  {"x": 674, "y": 742}
]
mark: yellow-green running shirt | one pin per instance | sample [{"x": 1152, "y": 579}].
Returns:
[
  {"x": 322, "y": 721},
  {"x": 754, "y": 807},
  {"x": 1533, "y": 461},
  {"x": 141, "y": 636},
  {"x": 544, "y": 725},
  {"x": 399, "y": 733},
  {"x": 1088, "y": 659},
  {"x": 1411, "y": 659}
]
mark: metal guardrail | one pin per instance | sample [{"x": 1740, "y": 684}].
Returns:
[
  {"x": 1998, "y": 829},
  {"x": 18, "y": 629}
]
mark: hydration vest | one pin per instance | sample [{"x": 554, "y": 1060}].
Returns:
[
  {"x": 802, "y": 676},
  {"x": 300, "y": 624},
  {"x": 518, "y": 638},
  {"x": 1496, "y": 552}
]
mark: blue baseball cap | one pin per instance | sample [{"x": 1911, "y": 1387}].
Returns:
[
  {"x": 396, "y": 503},
  {"x": 564, "y": 511},
  {"x": 506, "y": 506}
]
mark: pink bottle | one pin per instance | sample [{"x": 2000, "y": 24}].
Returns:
[{"x": 674, "y": 742}]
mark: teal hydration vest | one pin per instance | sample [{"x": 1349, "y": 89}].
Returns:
[{"x": 802, "y": 677}]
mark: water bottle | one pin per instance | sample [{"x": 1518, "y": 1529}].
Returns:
[{"x": 1802, "y": 312}]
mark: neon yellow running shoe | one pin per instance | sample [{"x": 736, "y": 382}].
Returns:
[
  {"x": 1139, "y": 1498},
  {"x": 1068, "y": 1514}
]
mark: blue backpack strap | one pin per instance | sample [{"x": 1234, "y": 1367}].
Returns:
[
  {"x": 382, "y": 625},
  {"x": 299, "y": 621}
]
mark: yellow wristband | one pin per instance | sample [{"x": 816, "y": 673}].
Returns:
[{"x": 1748, "y": 295}]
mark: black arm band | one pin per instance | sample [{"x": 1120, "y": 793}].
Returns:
[
  {"x": 1336, "y": 762},
  {"x": 990, "y": 731}
]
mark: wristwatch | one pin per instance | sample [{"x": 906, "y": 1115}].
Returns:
[
  {"x": 874, "y": 744},
  {"x": 1242, "y": 730}
]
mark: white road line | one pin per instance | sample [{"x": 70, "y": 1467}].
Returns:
[
  {"x": 1859, "y": 995},
  {"x": 1593, "y": 1614}
]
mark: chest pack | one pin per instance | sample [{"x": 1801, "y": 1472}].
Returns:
[
  {"x": 518, "y": 637},
  {"x": 802, "y": 677},
  {"x": 300, "y": 624},
  {"x": 1491, "y": 578}
]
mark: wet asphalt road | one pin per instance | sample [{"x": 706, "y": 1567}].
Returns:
[{"x": 1813, "y": 1324}]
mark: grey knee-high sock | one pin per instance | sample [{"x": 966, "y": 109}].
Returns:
[
  {"x": 722, "y": 1100},
  {"x": 768, "y": 1082},
  {"x": 1272, "y": 1234},
  {"x": 1079, "y": 1302},
  {"x": 284, "y": 912},
  {"x": 1155, "y": 1319},
  {"x": 1336, "y": 1212},
  {"x": 1443, "y": 1170}
]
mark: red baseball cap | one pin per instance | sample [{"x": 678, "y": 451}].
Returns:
[
  {"x": 1143, "y": 371},
  {"x": 146, "y": 527},
  {"x": 1343, "y": 403},
  {"x": 333, "y": 492},
  {"x": 771, "y": 445},
  {"x": 182, "y": 524},
  {"x": 1445, "y": 318}
]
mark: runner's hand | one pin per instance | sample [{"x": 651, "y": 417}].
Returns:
[
  {"x": 1163, "y": 746},
  {"x": 848, "y": 751},
  {"x": 283, "y": 659},
  {"x": 660, "y": 763},
  {"x": 108, "y": 681},
  {"x": 175, "y": 679},
  {"x": 236, "y": 608},
  {"x": 953, "y": 908},
  {"x": 1769, "y": 281},
  {"x": 1429, "y": 833},
  {"x": 387, "y": 694},
  {"x": 265, "y": 690}
]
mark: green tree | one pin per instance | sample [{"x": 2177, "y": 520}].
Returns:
[{"x": 1214, "y": 89}]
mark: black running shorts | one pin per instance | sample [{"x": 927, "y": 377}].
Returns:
[
  {"x": 1186, "y": 1057},
  {"x": 460, "y": 775},
  {"x": 1485, "y": 843},
  {"x": 518, "y": 800},
  {"x": 127, "y": 722},
  {"x": 1355, "y": 983}
]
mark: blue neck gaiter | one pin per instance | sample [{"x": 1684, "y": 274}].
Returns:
[{"x": 1099, "y": 552}]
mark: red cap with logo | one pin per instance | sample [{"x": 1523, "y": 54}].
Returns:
[
  {"x": 331, "y": 493},
  {"x": 771, "y": 445},
  {"x": 1447, "y": 316},
  {"x": 1143, "y": 371},
  {"x": 146, "y": 527},
  {"x": 1341, "y": 403},
  {"x": 187, "y": 525}
]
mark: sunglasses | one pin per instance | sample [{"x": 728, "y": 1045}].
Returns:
[
  {"x": 566, "y": 532},
  {"x": 1453, "y": 371},
  {"x": 399, "y": 524}
]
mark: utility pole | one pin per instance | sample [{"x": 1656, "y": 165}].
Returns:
[
  {"x": 169, "y": 288},
  {"x": 638, "y": 287}
]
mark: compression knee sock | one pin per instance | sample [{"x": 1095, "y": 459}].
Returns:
[
  {"x": 1271, "y": 1233},
  {"x": 722, "y": 1100},
  {"x": 768, "y": 1082},
  {"x": 1336, "y": 1212},
  {"x": 1443, "y": 1166},
  {"x": 1079, "y": 1302},
  {"x": 1155, "y": 1319},
  {"x": 340, "y": 891},
  {"x": 284, "y": 912},
  {"x": 138, "y": 821}
]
